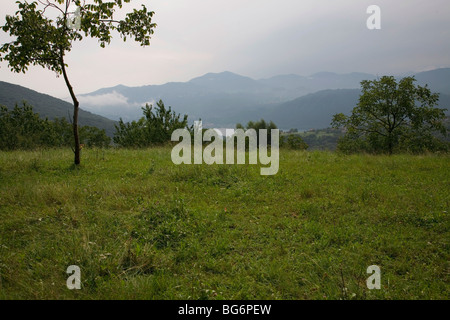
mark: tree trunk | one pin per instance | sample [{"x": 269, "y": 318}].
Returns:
[
  {"x": 76, "y": 104},
  {"x": 75, "y": 133},
  {"x": 390, "y": 143}
]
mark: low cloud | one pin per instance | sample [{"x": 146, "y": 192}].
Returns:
[
  {"x": 113, "y": 105},
  {"x": 104, "y": 100}
]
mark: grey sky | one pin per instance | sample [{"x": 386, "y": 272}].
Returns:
[{"x": 256, "y": 38}]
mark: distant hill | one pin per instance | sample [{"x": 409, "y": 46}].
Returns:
[
  {"x": 438, "y": 80},
  {"x": 293, "y": 86},
  {"x": 316, "y": 110},
  {"x": 229, "y": 82},
  {"x": 217, "y": 98},
  {"x": 211, "y": 97},
  {"x": 50, "y": 107},
  {"x": 223, "y": 99}
]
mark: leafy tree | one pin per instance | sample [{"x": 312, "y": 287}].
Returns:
[
  {"x": 43, "y": 40},
  {"x": 154, "y": 128},
  {"x": 391, "y": 116},
  {"x": 161, "y": 122}
]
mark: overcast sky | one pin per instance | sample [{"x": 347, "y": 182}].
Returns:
[{"x": 255, "y": 38}]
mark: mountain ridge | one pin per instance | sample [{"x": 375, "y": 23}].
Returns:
[{"x": 224, "y": 98}]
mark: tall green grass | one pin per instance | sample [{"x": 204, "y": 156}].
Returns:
[{"x": 140, "y": 227}]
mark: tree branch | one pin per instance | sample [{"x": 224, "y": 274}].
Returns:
[
  {"x": 116, "y": 21},
  {"x": 371, "y": 131},
  {"x": 49, "y": 4},
  {"x": 381, "y": 120},
  {"x": 43, "y": 59}
]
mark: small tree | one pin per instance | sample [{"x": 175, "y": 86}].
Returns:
[
  {"x": 44, "y": 41},
  {"x": 390, "y": 116},
  {"x": 155, "y": 128},
  {"x": 161, "y": 122}
]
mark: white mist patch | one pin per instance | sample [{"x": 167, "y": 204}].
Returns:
[
  {"x": 113, "y": 105},
  {"x": 104, "y": 100}
]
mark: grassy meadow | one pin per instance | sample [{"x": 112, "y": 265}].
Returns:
[{"x": 140, "y": 227}]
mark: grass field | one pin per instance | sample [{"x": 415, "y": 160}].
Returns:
[{"x": 140, "y": 227}]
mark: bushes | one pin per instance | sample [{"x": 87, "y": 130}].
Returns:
[
  {"x": 155, "y": 128},
  {"x": 293, "y": 142},
  {"x": 258, "y": 125},
  {"x": 21, "y": 128},
  {"x": 94, "y": 137}
]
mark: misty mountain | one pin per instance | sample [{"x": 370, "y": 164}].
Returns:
[
  {"x": 50, "y": 107},
  {"x": 223, "y": 99},
  {"x": 293, "y": 86},
  {"x": 316, "y": 110},
  {"x": 216, "y": 98},
  {"x": 229, "y": 82},
  {"x": 438, "y": 80}
]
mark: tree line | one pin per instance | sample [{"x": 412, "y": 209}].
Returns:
[
  {"x": 290, "y": 141},
  {"x": 158, "y": 123},
  {"x": 22, "y": 129},
  {"x": 390, "y": 117}
]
